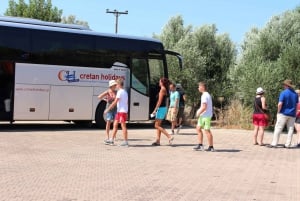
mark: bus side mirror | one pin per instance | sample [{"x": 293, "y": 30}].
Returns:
[{"x": 176, "y": 54}]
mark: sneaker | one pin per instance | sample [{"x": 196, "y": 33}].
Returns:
[
  {"x": 210, "y": 148},
  {"x": 108, "y": 142},
  {"x": 199, "y": 147},
  {"x": 271, "y": 146},
  {"x": 171, "y": 140},
  {"x": 178, "y": 129},
  {"x": 124, "y": 144}
]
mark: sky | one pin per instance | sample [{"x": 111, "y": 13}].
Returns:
[{"x": 144, "y": 18}]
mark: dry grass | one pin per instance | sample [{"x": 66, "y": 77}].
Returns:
[{"x": 238, "y": 116}]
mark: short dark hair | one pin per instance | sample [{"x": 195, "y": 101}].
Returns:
[
  {"x": 202, "y": 83},
  {"x": 172, "y": 84}
]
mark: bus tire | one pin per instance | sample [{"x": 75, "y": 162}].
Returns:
[{"x": 99, "y": 118}]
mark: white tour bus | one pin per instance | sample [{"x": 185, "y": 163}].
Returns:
[{"x": 51, "y": 71}]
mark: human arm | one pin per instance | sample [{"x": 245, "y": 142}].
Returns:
[
  {"x": 160, "y": 99},
  {"x": 112, "y": 105},
  {"x": 202, "y": 109},
  {"x": 279, "y": 106},
  {"x": 176, "y": 104},
  {"x": 263, "y": 103},
  {"x": 184, "y": 97},
  {"x": 102, "y": 95}
]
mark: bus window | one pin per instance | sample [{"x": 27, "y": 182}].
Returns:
[
  {"x": 14, "y": 43},
  {"x": 156, "y": 69},
  {"x": 139, "y": 79},
  {"x": 62, "y": 48}
]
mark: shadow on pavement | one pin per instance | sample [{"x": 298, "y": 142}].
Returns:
[
  {"x": 187, "y": 133},
  {"x": 228, "y": 150},
  {"x": 182, "y": 145},
  {"x": 135, "y": 140},
  {"x": 143, "y": 145},
  {"x": 61, "y": 126}
]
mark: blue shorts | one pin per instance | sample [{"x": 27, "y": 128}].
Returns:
[
  {"x": 110, "y": 116},
  {"x": 161, "y": 113}
]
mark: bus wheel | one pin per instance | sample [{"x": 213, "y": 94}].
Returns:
[{"x": 99, "y": 118}]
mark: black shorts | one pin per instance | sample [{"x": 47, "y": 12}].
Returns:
[{"x": 180, "y": 112}]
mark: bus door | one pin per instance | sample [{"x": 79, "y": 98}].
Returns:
[
  {"x": 139, "y": 91},
  {"x": 156, "y": 71},
  {"x": 6, "y": 89}
]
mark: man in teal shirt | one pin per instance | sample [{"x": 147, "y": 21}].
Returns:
[{"x": 174, "y": 106}]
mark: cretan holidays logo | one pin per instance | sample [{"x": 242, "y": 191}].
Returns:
[{"x": 66, "y": 75}]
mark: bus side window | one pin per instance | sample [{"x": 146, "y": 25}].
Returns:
[
  {"x": 140, "y": 76},
  {"x": 156, "y": 69}
]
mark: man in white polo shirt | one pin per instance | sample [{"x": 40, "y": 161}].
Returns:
[{"x": 205, "y": 113}]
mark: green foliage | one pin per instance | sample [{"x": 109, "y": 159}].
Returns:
[
  {"x": 42, "y": 10},
  {"x": 207, "y": 57},
  {"x": 269, "y": 56},
  {"x": 71, "y": 19},
  {"x": 37, "y": 9}
]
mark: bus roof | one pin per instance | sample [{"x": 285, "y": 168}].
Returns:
[{"x": 29, "y": 23}]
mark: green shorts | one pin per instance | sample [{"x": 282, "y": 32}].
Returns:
[{"x": 204, "y": 123}]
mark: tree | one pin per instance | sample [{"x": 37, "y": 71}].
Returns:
[
  {"x": 42, "y": 10},
  {"x": 269, "y": 56},
  {"x": 71, "y": 19},
  {"x": 37, "y": 9},
  {"x": 207, "y": 56}
]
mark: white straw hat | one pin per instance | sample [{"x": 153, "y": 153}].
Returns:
[{"x": 112, "y": 83}]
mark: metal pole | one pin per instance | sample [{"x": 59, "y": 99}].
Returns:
[{"x": 116, "y": 14}]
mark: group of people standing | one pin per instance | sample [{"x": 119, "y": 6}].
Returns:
[
  {"x": 169, "y": 106},
  {"x": 288, "y": 114}
]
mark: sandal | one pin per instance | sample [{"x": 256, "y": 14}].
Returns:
[
  {"x": 171, "y": 140},
  {"x": 155, "y": 144}
]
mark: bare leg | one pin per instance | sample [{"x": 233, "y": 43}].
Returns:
[
  {"x": 298, "y": 132},
  {"x": 124, "y": 129},
  {"x": 160, "y": 130},
  {"x": 179, "y": 121},
  {"x": 255, "y": 134},
  {"x": 209, "y": 137},
  {"x": 173, "y": 126},
  {"x": 107, "y": 129},
  {"x": 261, "y": 132},
  {"x": 115, "y": 129},
  {"x": 200, "y": 135}
]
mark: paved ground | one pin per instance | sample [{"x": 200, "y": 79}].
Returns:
[{"x": 72, "y": 164}]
